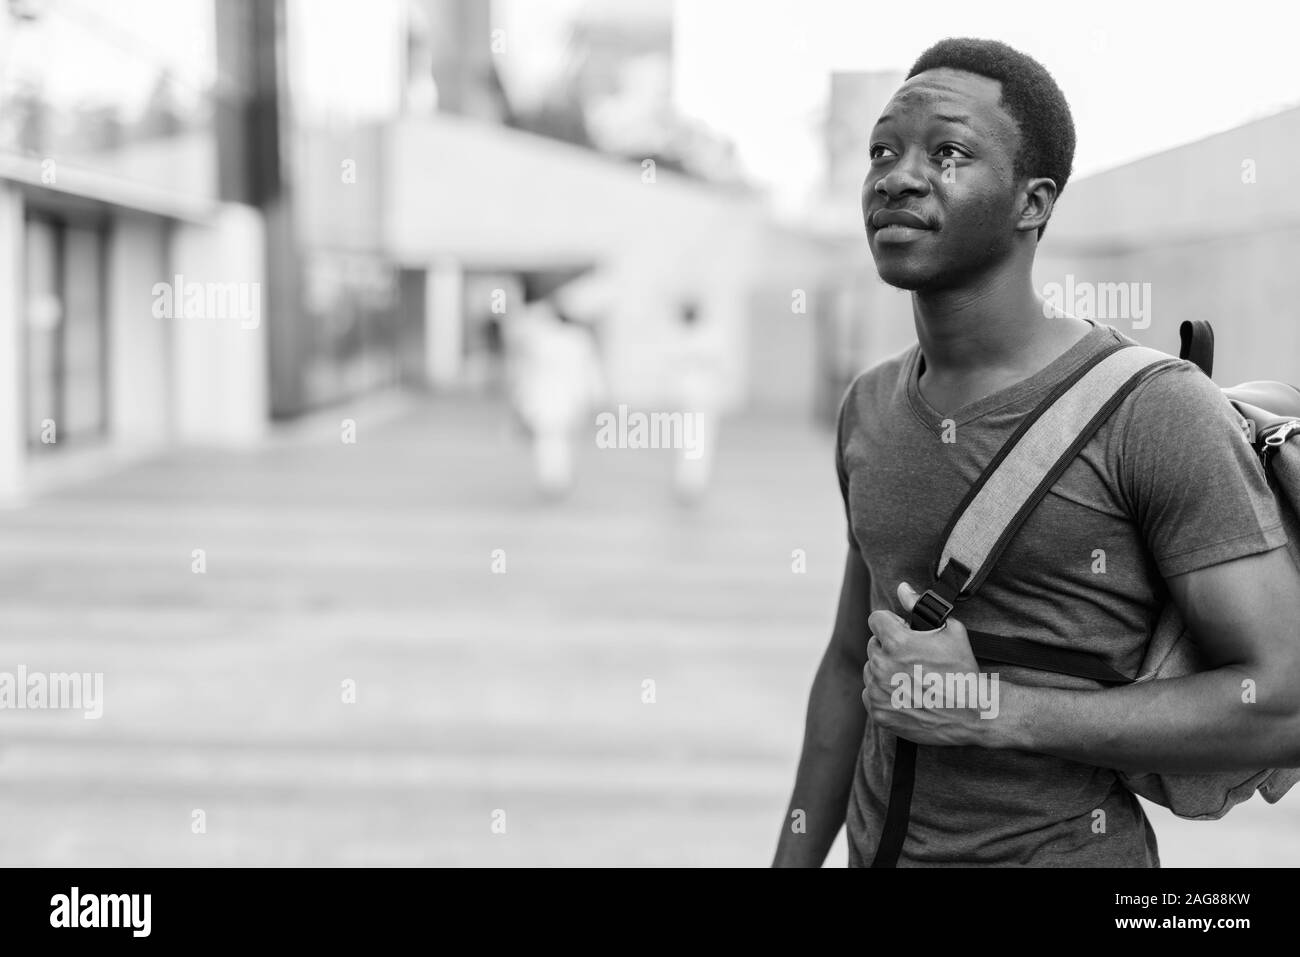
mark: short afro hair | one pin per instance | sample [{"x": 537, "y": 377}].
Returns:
[{"x": 1029, "y": 94}]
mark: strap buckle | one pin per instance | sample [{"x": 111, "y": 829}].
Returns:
[{"x": 932, "y": 609}]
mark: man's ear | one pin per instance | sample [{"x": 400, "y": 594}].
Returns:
[{"x": 1038, "y": 196}]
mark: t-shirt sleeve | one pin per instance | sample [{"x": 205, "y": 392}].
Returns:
[{"x": 1190, "y": 476}]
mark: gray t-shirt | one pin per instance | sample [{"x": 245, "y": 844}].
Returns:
[{"x": 1168, "y": 485}]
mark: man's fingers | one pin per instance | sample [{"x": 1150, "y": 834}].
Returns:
[
  {"x": 907, "y": 595},
  {"x": 886, "y": 626}
]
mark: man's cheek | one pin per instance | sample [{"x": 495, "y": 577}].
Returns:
[{"x": 969, "y": 205}]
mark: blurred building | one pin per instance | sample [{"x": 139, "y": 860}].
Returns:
[
  {"x": 213, "y": 215},
  {"x": 618, "y": 71},
  {"x": 113, "y": 185},
  {"x": 457, "y": 194},
  {"x": 1208, "y": 230}
]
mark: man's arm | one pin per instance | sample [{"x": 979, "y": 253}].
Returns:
[
  {"x": 1242, "y": 714},
  {"x": 832, "y": 732}
]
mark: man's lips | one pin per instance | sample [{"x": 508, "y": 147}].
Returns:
[{"x": 882, "y": 218}]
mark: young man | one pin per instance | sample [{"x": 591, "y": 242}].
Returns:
[{"x": 966, "y": 163}]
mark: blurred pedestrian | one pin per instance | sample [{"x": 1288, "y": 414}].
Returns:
[
  {"x": 699, "y": 368},
  {"x": 555, "y": 381}
]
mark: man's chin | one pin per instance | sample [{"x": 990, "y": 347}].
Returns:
[{"x": 911, "y": 279}]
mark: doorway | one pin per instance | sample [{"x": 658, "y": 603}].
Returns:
[{"x": 64, "y": 330}]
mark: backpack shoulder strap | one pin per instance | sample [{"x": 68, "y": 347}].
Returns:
[{"x": 1030, "y": 462}]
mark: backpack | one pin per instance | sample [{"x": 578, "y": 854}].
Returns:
[{"x": 1018, "y": 477}]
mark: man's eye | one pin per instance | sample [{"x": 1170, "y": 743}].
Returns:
[
  {"x": 878, "y": 150},
  {"x": 951, "y": 150}
]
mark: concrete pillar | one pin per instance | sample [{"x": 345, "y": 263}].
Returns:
[
  {"x": 13, "y": 439},
  {"x": 444, "y": 323},
  {"x": 139, "y": 362},
  {"x": 219, "y": 376}
]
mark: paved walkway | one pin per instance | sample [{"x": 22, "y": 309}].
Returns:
[{"x": 475, "y": 692}]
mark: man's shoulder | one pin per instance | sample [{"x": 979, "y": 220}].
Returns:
[
  {"x": 877, "y": 381},
  {"x": 1175, "y": 392},
  {"x": 1178, "y": 396}
]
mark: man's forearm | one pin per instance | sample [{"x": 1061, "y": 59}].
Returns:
[
  {"x": 832, "y": 736},
  {"x": 1231, "y": 718}
]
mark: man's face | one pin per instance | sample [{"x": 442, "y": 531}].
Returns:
[{"x": 939, "y": 201}]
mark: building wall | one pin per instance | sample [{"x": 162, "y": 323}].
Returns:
[
  {"x": 1214, "y": 228},
  {"x": 1245, "y": 286},
  {"x": 1196, "y": 191},
  {"x": 790, "y": 309}
]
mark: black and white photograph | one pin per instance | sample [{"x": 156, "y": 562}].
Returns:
[{"x": 623, "y": 434}]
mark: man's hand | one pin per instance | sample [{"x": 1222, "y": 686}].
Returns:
[
  {"x": 1243, "y": 713},
  {"x": 945, "y": 660}
]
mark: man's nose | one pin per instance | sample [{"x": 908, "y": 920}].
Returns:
[{"x": 902, "y": 178}]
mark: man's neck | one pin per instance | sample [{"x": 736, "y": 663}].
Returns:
[{"x": 994, "y": 329}]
